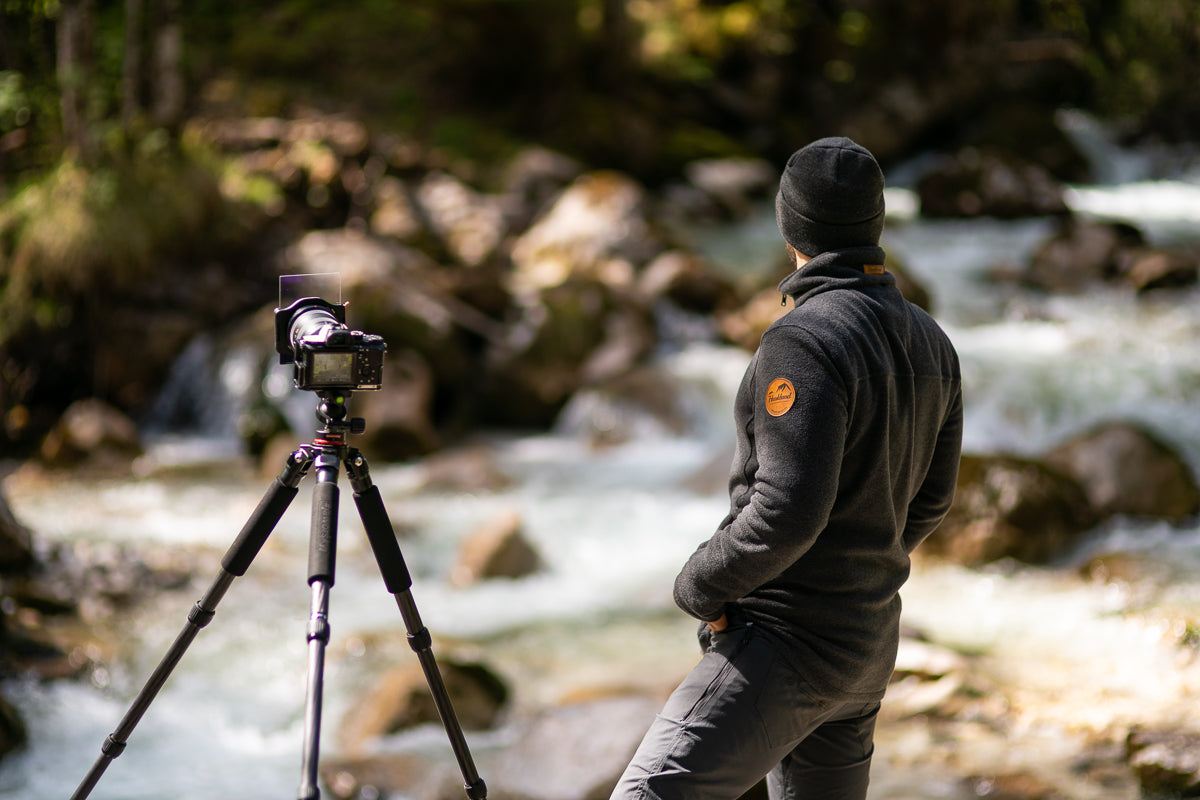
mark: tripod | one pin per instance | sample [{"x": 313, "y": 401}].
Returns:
[{"x": 327, "y": 450}]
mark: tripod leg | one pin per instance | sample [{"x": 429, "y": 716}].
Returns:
[
  {"x": 399, "y": 583},
  {"x": 321, "y": 557},
  {"x": 235, "y": 563}
]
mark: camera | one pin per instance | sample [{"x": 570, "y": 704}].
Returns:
[{"x": 312, "y": 334}]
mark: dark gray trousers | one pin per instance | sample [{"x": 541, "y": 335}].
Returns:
[{"x": 742, "y": 713}]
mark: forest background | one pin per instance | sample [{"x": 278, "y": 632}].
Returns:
[{"x": 108, "y": 187}]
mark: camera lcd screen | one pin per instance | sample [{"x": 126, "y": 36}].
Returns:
[{"x": 331, "y": 369}]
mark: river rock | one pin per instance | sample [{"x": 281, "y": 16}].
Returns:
[
  {"x": 497, "y": 549},
  {"x": 360, "y": 777},
  {"x": 1079, "y": 254},
  {"x": 1010, "y": 507},
  {"x": 1147, "y": 270},
  {"x": 470, "y": 469},
  {"x": 644, "y": 402},
  {"x": 95, "y": 579},
  {"x": 572, "y": 752},
  {"x": 531, "y": 181},
  {"x": 925, "y": 678},
  {"x": 985, "y": 182},
  {"x": 16, "y": 541},
  {"x": 688, "y": 281},
  {"x": 402, "y": 699},
  {"x": 561, "y": 338},
  {"x": 393, "y": 213},
  {"x": 93, "y": 431},
  {"x": 1127, "y": 470},
  {"x": 471, "y": 225},
  {"x": 1011, "y": 786},
  {"x": 1166, "y": 761},
  {"x": 733, "y": 185},
  {"x": 400, "y": 419},
  {"x": 598, "y": 228},
  {"x": 13, "y": 732}
]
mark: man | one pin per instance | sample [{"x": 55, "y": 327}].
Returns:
[{"x": 849, "y": 429}]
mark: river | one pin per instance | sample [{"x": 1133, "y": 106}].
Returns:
[{"x": 1078, "y": 659}]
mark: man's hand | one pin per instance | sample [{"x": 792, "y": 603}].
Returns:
[{"x": 718, "y": 625}]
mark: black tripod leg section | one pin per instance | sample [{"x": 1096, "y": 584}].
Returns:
[
  {"x": 322, "y": 552},
  {"x": 398, "y": 581},
  {"x": 237, "y": 559}
]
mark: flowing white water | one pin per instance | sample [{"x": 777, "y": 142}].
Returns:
[{"x": 1076, "y": 658}]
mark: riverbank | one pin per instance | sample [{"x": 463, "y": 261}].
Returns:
[{"x": 1021, "y": 681}]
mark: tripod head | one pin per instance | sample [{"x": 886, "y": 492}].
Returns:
[{"x": 331, "y": 413}]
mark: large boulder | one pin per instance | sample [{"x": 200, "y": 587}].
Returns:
[
  {"x": 400, "y": 421},
  {"x": 688, "y": 281},
  {"x": 402, "y": 699},
  {"x": 532, "y": 180},
  {"x": 1011, "y": 507},
  {"x": 561, "y": 339},
  {"x": 1125, "y": 469},
  {"x": 731, "y": 188},
  {"x": 643, "y": 403},
  {"x": 990, "y": 183},
  {"x": 92, "y": 431},
  {"x": 597, "y": 228},
  {"x": 572, "y": 752},
  {"x": 496, "y": 549},
  {"x": 1079, "y": 254},
  {"x": 470, "y": 225}
]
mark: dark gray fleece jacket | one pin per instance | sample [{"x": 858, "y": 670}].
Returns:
[{"x": 849, "y": 431}]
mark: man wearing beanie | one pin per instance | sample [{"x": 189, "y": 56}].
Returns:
[{"x": 848, "y": 436}]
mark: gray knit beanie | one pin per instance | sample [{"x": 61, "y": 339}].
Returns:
[{"x": 830, "y": 197}]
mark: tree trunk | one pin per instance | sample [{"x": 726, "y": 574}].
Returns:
[
  {"x": 168, "y": 57},
  {"x": 131, "y": 67},
  {"x": 76, "y": 32},
  {"x": 618, "y": 33}
]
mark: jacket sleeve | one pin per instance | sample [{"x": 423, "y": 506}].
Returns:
[
  {"x": 933, "y": 499},
  {"x": 792, "y": 475}
]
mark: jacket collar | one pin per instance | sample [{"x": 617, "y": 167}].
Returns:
[{"x": 835, "y": 269}]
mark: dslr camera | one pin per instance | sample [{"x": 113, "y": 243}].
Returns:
[{"x": 312, "y": 334}]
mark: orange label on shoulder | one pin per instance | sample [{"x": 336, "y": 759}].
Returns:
[
  {"x": 780, "y": 396},
  {"x": 873, "y": 269}
]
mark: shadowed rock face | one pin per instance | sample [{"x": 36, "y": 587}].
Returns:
[{"x": 1127, "y": 470}]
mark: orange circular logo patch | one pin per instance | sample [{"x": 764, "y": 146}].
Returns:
[{"x": 780, "y": 396}]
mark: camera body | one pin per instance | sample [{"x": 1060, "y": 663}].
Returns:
[{"x": 312, "y": 334}]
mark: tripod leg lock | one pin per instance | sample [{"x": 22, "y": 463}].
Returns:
[
  {"x": 318, "y": 628},
  {"x": 421, "y": 640},
  {"x": 111, "y": 747},
  {"x": 200, "y": 616}
]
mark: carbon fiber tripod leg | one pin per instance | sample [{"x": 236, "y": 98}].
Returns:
[{"x": 399, "y": 583}]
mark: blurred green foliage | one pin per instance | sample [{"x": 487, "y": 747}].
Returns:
[
  {"x": 608, "y": 79},
  {"x": 643, "y": 85}
]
